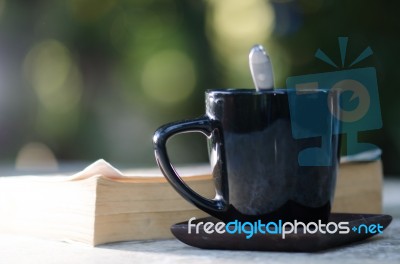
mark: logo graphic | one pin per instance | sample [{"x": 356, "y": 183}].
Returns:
[
  {"x": 358, "y": 102},
  {"x": 281, "y": 228}
]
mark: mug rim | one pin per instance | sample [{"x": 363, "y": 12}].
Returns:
[{"x": 250, "y": 91}]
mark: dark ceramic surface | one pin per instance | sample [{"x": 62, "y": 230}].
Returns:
[{"x": 299, "y": 242}]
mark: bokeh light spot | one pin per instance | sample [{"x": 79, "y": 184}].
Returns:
[
  {"x": 35, "y": 156},
  {"x": 241, "y": 23},
  {"x": 2, "y": 6},
  {"x": 53, "y": 75},
  {"x": 233, "y": 27},
  {"x": 91, "y": 10},
  {"x": 169, "y": 77}
]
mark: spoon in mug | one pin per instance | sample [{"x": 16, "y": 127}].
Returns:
[{"x": 261, "y": 68}]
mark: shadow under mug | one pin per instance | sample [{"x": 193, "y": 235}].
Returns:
[{"x": 258, "y": 142}]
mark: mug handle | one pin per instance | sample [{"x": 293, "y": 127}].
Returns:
[{"x": 205, "y": 126}]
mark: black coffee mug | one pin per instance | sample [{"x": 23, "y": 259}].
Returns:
[{"x": 255, "y": 139}]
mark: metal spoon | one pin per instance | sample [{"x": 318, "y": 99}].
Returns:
[{"x": 261, "y": 68}]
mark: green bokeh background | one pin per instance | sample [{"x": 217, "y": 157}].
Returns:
[{"x": 85, "y": 79}]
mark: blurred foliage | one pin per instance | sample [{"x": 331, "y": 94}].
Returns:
[{"x": 94, "y": 79}]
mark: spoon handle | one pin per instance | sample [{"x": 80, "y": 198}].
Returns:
[{"x": 261, "y": 68}]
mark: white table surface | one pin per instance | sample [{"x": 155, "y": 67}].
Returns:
[{"x": 384, "y": 248}]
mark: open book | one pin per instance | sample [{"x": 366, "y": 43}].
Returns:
[{"x": 100, "y": 204}]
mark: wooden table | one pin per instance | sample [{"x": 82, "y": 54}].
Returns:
[{"x": 380, "y": 249}]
